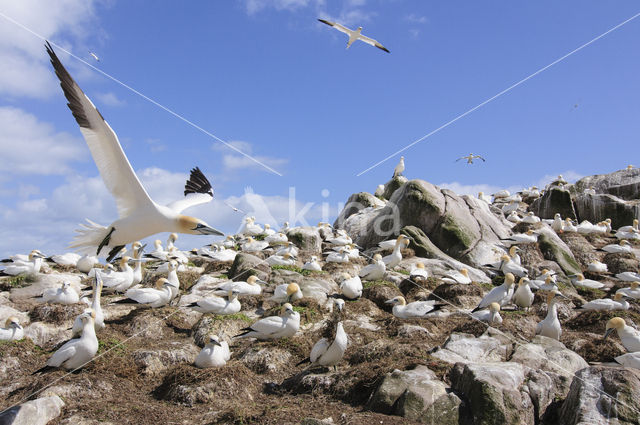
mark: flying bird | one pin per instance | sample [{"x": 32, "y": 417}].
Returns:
[
  {"x": 93, "y": 55},
  {"x": 470, "y": 158},
  {"x": 139, "y": 215},
  {"x": 354, "y": 35}
]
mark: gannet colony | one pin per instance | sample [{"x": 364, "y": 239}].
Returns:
[{"x": 416, "y": 306}]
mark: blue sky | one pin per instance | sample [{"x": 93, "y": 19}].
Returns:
[{"x": 270, "y": 79}]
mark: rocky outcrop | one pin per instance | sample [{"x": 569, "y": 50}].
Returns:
[
  {"x": 553, "y": 248},
  {"x": 307, "y": 238},
  {"x": 596, "y": 208},
  {"x": 36, "y": 412},
  {"x": 356, "y": 203},
  {"x": 624, "y": 184},
  {"x": 246, "y": 265},
  {"x": 464, "y": 348},
  {"x": 555, "y": 200}
]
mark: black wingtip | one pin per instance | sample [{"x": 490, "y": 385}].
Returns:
[
  {"x": 197, "y": 183},
  {"x": 325, "y": 21},
  {"x": 44, "y": 369},
  {"x": 307, "y": 360},
  {"x": 192, "y": 305}
]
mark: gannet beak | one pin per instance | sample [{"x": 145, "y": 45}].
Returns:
[
  {"x": 215, "y": 342},
  {"x": 206, "y": 230},
  {"x": 262, "y": 282},
  {"x": 608, "y": 332},
  {"x": 389, "y": 302}
]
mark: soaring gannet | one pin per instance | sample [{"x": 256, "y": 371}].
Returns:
[
  {"x": 273, "y": 327},
  {"x": 218, "y": 305},
  {"x": 214, "y": 354},
  {"x": 490, "y": 315},
  {"x": 354, "y": 35},
  {"x": 351, "y": 287},
  {"x": 413, "y": 310},
  {"x": 139, "y": 215},
  {"x": 76, "y": 352},
  {"x": 550, "y": 325},
  {"x": 12, "y": 330},
  {"x": 470, "y": 158},
  {"x": 629, "y": 337}
]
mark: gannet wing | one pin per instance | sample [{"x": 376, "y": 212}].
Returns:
[
  {"x": 372, "y": 42},
  {"x": 337, "y": 26},
  {"x": 63, "y": 354},
  {"x": 197, "y": 191},
  {"x": 319, "y": 349},
  {"x": 114, "y": 167},
  {"x": 268, "y": 325}
]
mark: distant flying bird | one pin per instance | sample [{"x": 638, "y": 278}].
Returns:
[
  {"x": 354, "y": 35},
  {"x": 470, "y": 158},
  {"x": 95, "y": 56},
  {"x": 139, "y": 215}
]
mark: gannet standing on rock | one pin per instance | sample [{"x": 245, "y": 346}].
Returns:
[
  {"x": 86, "y": 263},
  {"x": 395, "y": 257},
  {"x": 633, "y": 291},
  {"x": 326, "y": 353},
  {"x": 500, "y": 294},
  {"x": 214, "y": 354},
  {"x": 399, "y": 168},
  {"x": 95, "y": 306},
  {"x": 250, "y": 287},
  {"x": 274, "y": 327},
  {"x": 12, "y": 330},
  {"x": 550, "y": 325},
  {"x": 629, "y": 337},
  {"x": 139, "y": 215}
]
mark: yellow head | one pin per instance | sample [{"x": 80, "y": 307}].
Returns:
[
  {"x": 13, "y": 320},
  {"x": 161, "y": 282},
  {"x": 616, "y": 323},
  {"x": 494, "y": 307},
  {"x": 509, "y": 279},
  {"x": 292, "y": 289},
  {"x": 420, "y": 266},
  {"x": 195, "y": 226}
]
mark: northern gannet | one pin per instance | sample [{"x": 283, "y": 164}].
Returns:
[
  {"x": 629, "y": 360},
  {"x": 153, "y": 297},
  {"x": 500, "y": 294},
  {"x": 268, "y": 231},
  {"x": 455, "y": 276},
  {"x": 250, "y": 287},
  {"x": 373, "y": 271},
  {"x": 514, "y": 217},
  {"x": 281, "y": 260},
  {"x": 273, "y": 327},
  {"x": 173, "y": 237},
  {"x": 338, "y": 257},
  {"x": 354, "y": 35},
  {"x": 251, "y": 245},
  {"x": 413, "y": 310},
  {"x": 509, "y": 266},
  {"x": 286, "y": 293},
  {"x": 31, "y": 266},
  {"x": 618, "y": 302},
  {"x": 351, "y": 287},
  {"x": 483, "y": 197},
  {"x": 139, "y": 215},
  {"x": 632, "y": 228},
  {"x": 568, "y": 226},
  {"x": 395, "y": 257},
  {"x": 65, "y": 294},
  {"x": 276, "y": 239},
  {"x": 511, "y": 207},
  {"x": 470, "y": 158},
  {"x": 531, "y": 218},
  {"x": 67, "y": 259},
  {"x": 489, "y": 315},
  {"x": 624, "y": 246},
  {"x": 119, "y": 281},
  {"x": 218, "y": 305},
  {"x": 214, "y": 354},
  {"x": 528, "y": 237},
  {"x": 289, "y": 249},
  {"x": 76, "y": 352},
  {"x": 137, "y": 255},
  {"x": 597, "y": 267},
  {"x": 504, "y": 193},
  {"x": 628, "y": 276},
  {"x": 629, "y": 336},
  {"x": 12, "y": 330},
  {"x": 399, "y": 168},
  {"x": 222, "y": 254},
  {"x": 93, "y": 55},
  {"x": 579, "y": 280},
  {"x": 86, "y": 263},
  {"x": 418, "y": 272},
  {"x": 98, "y": 320},
  {"x": 328, "y": 353},
  {"x": 558, "y": 224},
  {"x": 550, "y": 325},
  {"x": 172, "y": 277},
  {"x": 312, "y": 265},
  {"x": 633, "y": 291},
  {"x": 523, "y": 296}
]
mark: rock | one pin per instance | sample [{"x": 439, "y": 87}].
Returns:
[
  {"x": 465, "y": 348},
  {"x": 8, "y": 311},
  {"x": 596, "y": 208},
  {"x": 624, "y": 184},
  {"x": 36, "y": 412},
  {"x": 222, "y": 326},
  {"x": 356, "y": 203},
  {"x": 554, "y": 249},
  {"x": 621, "y": 262},
  {"x": 380, "y": 293},
  {"x": 392, "y": 185},
  {"x": 467, "y": 296},
  {"x": 554, "y": 200},
  {"x": 246, "y": 265},
  {"x": 47, "y": 335},
  {"x": 152, "y": 362},
  {"x": 313, "y": 421},
  {"x": 416, "y": 395},
  {"x": 45, "y": 281},
  {"x": 282, "y": 276},
  {"x": 602, "y": 395},
  {"x": 266, "y": 359},
  {"x": 307, "y": 238},
  {"x": 494, "y": 392},
  {"x": 582, "y": 250}
]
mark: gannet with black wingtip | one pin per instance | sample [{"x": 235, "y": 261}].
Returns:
[
  {"x": 30, "y": 267},
  {"x": 500, "y": 294},
  {"x": 628, "y": 276},
  {"x": 12, "y": 330},
  {"x": 351, "y": 287},
  {"x": 579, "y": 280},
  {"x": 354, "y": 35},
  {"x": 152, "y": 297},
  {"x": 470, "y": 158},
  {"x": 395, "y": 257},
  {"x": 618, "y": 302},
  {"x": 327, "y": 353},
  {"x": 629, "y": 337},
  {"x": 67, "y": 259},
  {"x": 215, "y": 354},
  {"x": 550, "y": 325},
  {"x": 281, "y": 260},
  {"x": 455, "y": 276},
  {"x": 250, "y": 287},
  {"x": 633, "y": 291},
  {"x": 274, "y": 327},
  {"x": 65, "y": 294},
  {"x": 523, "y": 296},
  {"x": 287, "y": 293},
  {"x": 312, "y": 265},
  {"x": 218, "y": 305},
  {"x": 375, "y": 270},
  {"x": 510, "y": 266},
  {"x": 119, "y": 281},
  {"x": 632, "y": 228},
  {"x": 415, "y": 309},
  {"x": 624, "y": 246},
  {"x": 140, "y": 216},
  {"x": 76, "y": 352},
  {"x": 489, "y": 315},
  {"x": 418, "y": 272},
  {"x": 597, "y": 267}
]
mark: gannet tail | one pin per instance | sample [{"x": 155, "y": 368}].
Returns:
[{"x": 89, "y": 237}]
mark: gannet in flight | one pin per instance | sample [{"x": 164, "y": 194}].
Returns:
[
  {"x": 354, "y": 35},
  {"x": 93, "y": 55},
  {"x": 470, "y": 158},
  {"x": 139, "y": 215}
]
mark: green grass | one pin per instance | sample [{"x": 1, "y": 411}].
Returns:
[
  {"x": 235, "y": 316},
  {"x": 307, "y": 312},
  {"x": 485, "y": 286},
  {"x": 292, "y": 268},
  {"x": 223, "y": 276},
  {"x": 402, "y": 271},
  {"x": 112, "y": 344},
  {"x": 371, "y": 283},
  {"x": 18, "y": 281},
  {"x": 598, "y": 293}
]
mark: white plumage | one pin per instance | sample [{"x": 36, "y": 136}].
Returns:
[
  {"x": 214, "y": 354},
  {"x": 274, "y": 327}
]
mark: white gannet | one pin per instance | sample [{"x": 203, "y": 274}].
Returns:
[
  {"x": 351, "y": 287},
  {"x": 509, "y": 266},
  {"x": 501, "y": 194},
  {"x": 67, "y": 259},
  {"x": 470, "y": 158},
  {"x": 285, "y": 227},
  {"x": 568, "y": 226},
  {"x": 268, "y": 231},
  {"x": 513, "y": 254},
  {"x": 395, "y": 257},
  {"x": 531, "y": 218},
  {"x": 373, "y": 271},
  {"x": 229, "y": 242},
  {"x": 312, "y": 265},
  {"x": 139, "y": 215},
  {"x": 500, "y": 294},
  {"x": 341, "y": 239},
  {"x": 64, "y": 294},
  {"x": 137, "y": 255},
  {"x": 629, "y": 337},
  {"x": 276, "y": 239},
  {"x": 628, "y": 276},
  {"x": 31, "y": 266},
  {"x": 418, "y": 272},
  {"x": 289, "y": 249},
  {"x": 172, "y": 277},
  {"x": 399, "y": 168},
  {"x": 379, "y": 192},
  {"x": 632, "y": 235},
  {"x": 250, "y": 287},
  {"x": 218, "y": 305},
  {"x": 214, "y": 354},
  {"x": 153, "y": 297},
  {"x": 528, "y": 237},
  {"x": 624, "y": 246},
  {"x": 510, "y": 207},
  {"x": 632, "y": 228},
  {"x": 251, "y": 245},
  {"x": 549, "y": 284},
  {"x": 389, "y": 244},
  {"x": 550, "y": 325},
  {"x": 286, "y": 293},
  {"x": 281, "y": 260},
  {"x": 483, "y": 197},
  {"x": 159, "y": 253},
  {"x": 597, "y": 267},
  {"x": 173, "y": 237},
  {"x": 98, "y": 320},
  {"x": 489, "y": 315},
  {"x": 523, "y": 296},
  {"x": 586, "y": 227},
  {"x": 273, "y": 327},
  {"x": 119, "y": 281},
  {"x": 618, "y": 302},
  {"x": 12, "y": 330},
  {"x": 338, "y": 257},
  {"x": 413, "y": 310},
  {"x": 629, "y": 360},
  {"x": 558, "y": 224},
  {"x": 633, "y": 291},
  {"x": 76, "y": 352},
  {"x": 354, "y": 35},
  {"x": 456, "y": 276},
  {"x": 86, "y": 263},
  {"x": 589, "y": 191},
  {"x": 579, "y": 280},
  {"x": 514, "y": 217},
  {"x": 327, "y": 353}
]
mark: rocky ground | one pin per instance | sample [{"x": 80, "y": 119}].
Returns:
[{"x": 443, "y": 369}]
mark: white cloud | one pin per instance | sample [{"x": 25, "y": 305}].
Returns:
[
  {"x": 236, "y": 161},
  {"x": 352, "y": 12},
  {"x": 255, "y": 6},
  {"x": 415, "y": 19},
  {"x": 30, "y": 146},
  {"x": 109, "y": 99},
  {"x": 25, "y": 70},
  {"x": 569, "y": 175}
]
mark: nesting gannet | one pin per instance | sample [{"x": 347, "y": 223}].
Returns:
[
  {"x": 483, "y": 197},
  {"x": 632, "y": 228},
  {"x": 218, "y": 305},
  {"x": 500, "y": 294},
  {"x": 67, "y": 259},
  {"x": 273, "y": 327},
  {"x": 597, "y": 267},
  {"x": 568, "y": 226},
  {"x": 550, "y": 325},
  {"x": 413, "y": 310},
  {"x": 76, "y": 352},
  {"x": 119, "y": 281},
  {"x": 489, "y": 315},
  {"x": 629, "y": 360},
  {"x": 327, "y": 353},
  {"x": 276, "y": 239},
  {"x": 286, "y": 293},
  {"x": 379, "y": 192},
  {"x": 628, "y": 276},
  {"x": 250, "y": 287},
  {"x": 531, "y": 218},
  {"x": 12, "y": 330},
  {"x": 139, "y": 215},
  {"x": 509, "y": 266},
  {"x": 528, "y": 237},
  {"x": 579, "y": 280},
  {"x": 31, "y": 266},
  {"x": 215, "y": 354},
  {"x": 137, "y": 249},
  {"x": 399, "y": 168},
  {"x": 374, "y": 271},
  {"x": 64, "y": 294},
  {"x": 618, "y": 302},
  {"x": 340, "y": 240},
  {"x": 514, "y": 217},
  {"x": 624, "y": 246},
  {"x": 418, "y": 272},
  {"x": 312, "y": 265},
  {"x": 558, "y": 224},
  {"x": 153, "y": 297},
  {"x": 549, "y": 284},
  {"x": 285, "y": 227},
  {"x": 351, "y": 287},
  {"x": 268, "y": 231},
  {"x": 586, "y": 227},
  {"x": 159, "y": 253},
  {"x": 455, "y": 276},
  {"x": 289, "y": 249},
  {"x": 354, "y": 35},
  {"x": 633, "y": 291},
  {"x": 629, "y": 337},
  {"x": 470, "y": 158},
  {"x": 395, "y": 257},
  {"x": 229, "y": 242},
  {"x": 281, "y": 260},
  {"x": 501, "y": 194},
  {"x": 251, "y": 245},
  {"x": 86, "y": 263},
  {"x": 223, "y": 254},
  {"x": 511, "y": 207},
  {"x": 513, "y": 198},
  {"x": 523, "y": 296},
  {"x": 173, "y": 237},
  {"x": 632, "y": 235},
  {"x": 338, "y": 257}
]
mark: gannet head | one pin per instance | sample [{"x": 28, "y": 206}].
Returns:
[
  {"x": 65, "y": 285},
  {"x": 464, "y": 272},
  {"x": 35, "y": 254},
  {"x": 617, "y": 323},
  {"x": 173, "y": 237},
  {"x": 399, "y": 300},
  {"x": 505, "y": 258},
  {"x": 314, "y": 258},
  {"x": 554, "y": 295},
  {"x": 509, "y": 279},
  {"x": 494, "y": 307},
  {"x": 162, "y": 282},
  {"x": 530, "y": 232},
  {"x": 89, "y": 315},
  {"x": 557, "y": 216},
  {"x": 634, "y": 285},
  {"x": 292, "y": 288},
  {"x": 629, "y": 167},
  {"x": 195, "y": 226},
  {"x": 339, "y": 302},
  {"x": 619, "y": 295},
  {"x": 513, "y": 249},
  {"x": 214, "y": 339},
  {"x": 624, "y": 242},
  {"x": 345, "y": 276},
  {"x": 267, "y": 226},
  {"x": 253, "y": 280},
  {"x": 523, "y": 281},
  {"x": 286, "y": 310},
  {"x": 173, "y": 265},
  {"x": 580, "y": 276},
  {"x": 420, "y": 266},
  {"x": 157, "y": 244},
  {"x": 377, "y": 257},
  {"x": 12, "y": 322}
]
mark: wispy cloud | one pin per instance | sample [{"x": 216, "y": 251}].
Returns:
[
  {"x": 110, "y": 99},
  {"x": 233, "y": 161},
  {"x": 415, "y": 19},
  {"x": 255, "y": 6},
  {"x": 155, "y": 145}
]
